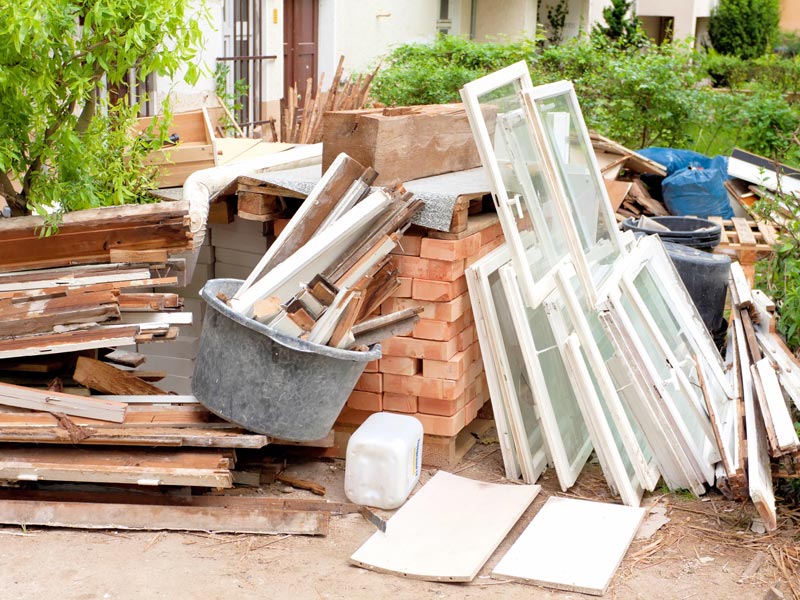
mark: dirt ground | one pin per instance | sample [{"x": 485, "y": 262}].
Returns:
[{"x": 703, "y": 552}]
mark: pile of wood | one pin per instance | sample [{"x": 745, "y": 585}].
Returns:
[
  {"x": 622, "y": 170},
  {"x": 303, "y": 124},
  {"x": 766, "y": 372},
  {"x": 330, "y": 269}
]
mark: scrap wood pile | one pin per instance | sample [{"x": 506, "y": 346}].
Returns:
[
  {"x": 75, "y": 407},
  {"x": 767, "y": 373},
  {"x": 303, "y": 124},
  {"x": 329, "y": 270}
]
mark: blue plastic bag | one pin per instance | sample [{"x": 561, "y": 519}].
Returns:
[
  {"x": 699, "y": 191},
  {"x": 674, "y": 160}
]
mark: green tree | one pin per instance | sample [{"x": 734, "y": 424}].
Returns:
[
  {"x": 622, "y": 27},
  {"x": 744, "y": 28},
  {"x": 59, "y": 143}
]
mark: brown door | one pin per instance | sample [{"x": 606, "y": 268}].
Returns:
[{"x": 299, "y": 45}]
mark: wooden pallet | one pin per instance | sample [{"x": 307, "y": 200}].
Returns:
[{"x": 745, "y": 240}]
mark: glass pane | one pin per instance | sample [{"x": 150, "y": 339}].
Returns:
[
  {"x": 517, "y": 373},
  {"x": 520, "y": 164},
  {"x": 571, "y": 425},
  {"x": 572, "y": 154},
  {"x": 683, "y": 403}
]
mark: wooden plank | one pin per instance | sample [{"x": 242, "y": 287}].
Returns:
[
  {"x": 87, "y": 515},
  {"x": 45, "y": 320},
  {"x": 617, "y": 191},
  {"x": 156, "y": 255},
  {"x": 102, "y": 465},
  {"x": 320, "y": 202},
  {"x": 149, "y": 399},
  {"x": 775, "y": 407},
  {"x": 759, "y": 476},
  {"x": 108, "y": 379},
  {"x": 739, "y": 281},
  {"x": 56, "y": 402},
  {"x": 195, "y": 436},
  {"x": 444, "y": 532},
  {"x": 568, "y": 532}
]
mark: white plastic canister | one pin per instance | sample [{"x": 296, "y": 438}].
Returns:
[{"x": 384, "y": 457}]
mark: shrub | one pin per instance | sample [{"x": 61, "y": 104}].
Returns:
[
  {"x": 744, "y": 28},
  {"x": 433, "y": 73}
]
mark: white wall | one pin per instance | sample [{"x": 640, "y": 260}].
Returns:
[
  {"x": 364, "y": 30},
  {"x": 504, "y": 19}
]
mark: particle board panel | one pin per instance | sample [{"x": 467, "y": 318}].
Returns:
[
  {"x": 573, "y": 545},
  {"x": 447, "y": 530}
]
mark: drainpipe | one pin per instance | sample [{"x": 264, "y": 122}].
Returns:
[{"x": 201, "y": 185}]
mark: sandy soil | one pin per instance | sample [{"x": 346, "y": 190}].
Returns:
[{"x": 701, "y": 553}]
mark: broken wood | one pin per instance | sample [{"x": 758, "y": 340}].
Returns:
[
  {"x": 107, "y": 379},
  {"x": 55, "y": 402}
]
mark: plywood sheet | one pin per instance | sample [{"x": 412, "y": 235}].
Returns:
[
  {"x": 448, "y": 530},
  {"x": 573, "y": 545}
]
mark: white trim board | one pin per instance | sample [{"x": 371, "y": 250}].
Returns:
[
  {"x": 446, "y": 531},
  {"x": 573, "y": 545}
]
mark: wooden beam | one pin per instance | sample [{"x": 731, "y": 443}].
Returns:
[
  {"x": 88, "y": 515},
  {"x": 68, "y": 404},
  {"x": 108, "y": 379}
]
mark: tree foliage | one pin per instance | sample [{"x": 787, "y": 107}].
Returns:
[
  {"x": 622, "y": 28},
  {"x": 744, "y": 28},
  {"x": 58, "y": 141}
]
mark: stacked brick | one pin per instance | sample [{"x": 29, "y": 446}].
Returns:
[{"x": 436, "y": 373}]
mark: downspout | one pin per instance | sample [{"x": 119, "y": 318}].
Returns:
[{"x": 200, "y": 186}]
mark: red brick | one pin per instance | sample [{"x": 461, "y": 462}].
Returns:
[
  {"x": 373, "y": 366},
  {"x": 409, "y": 245},
  {"x": 370, "y": 382},
  {"x": 438, "y": 291},
  {"x": 365, "y": 401},
  {"x": 278, "y": 225},
  {"x": 441, "y": 406},
  {"x": 473, "y": 406},
  {"x": 400, "y": 403},
  {"x": 450, "y": 249},
  {"x": 446, "y": 426},
  {"x": 466, "y": 338},
  {"x": 427, "y": 268},
  {"x": 448, "y": 369},
  {"x": 402, "y": 346},
  {"x": 416, "y": 385},
  {"x": 406, "y": 288},
  {"x": 352, "y": 416},
  {"x": 485, "y": 249},
  {"x": 400, "y": 365},
  {"x": 430, "y": 329},
  {"x": 491, "y": 233},
  {"x": 439, "y": 311}
]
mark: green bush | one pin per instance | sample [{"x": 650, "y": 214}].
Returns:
[
  {"x": 433, "y": 73},
  {"x": 640, "y": 97},
  {"x": 744, "y": 28}
]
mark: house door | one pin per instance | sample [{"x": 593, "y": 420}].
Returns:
[{"x": 300, "y": 23}]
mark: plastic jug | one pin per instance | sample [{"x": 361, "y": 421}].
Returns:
[{"x": 384, "y": 457}]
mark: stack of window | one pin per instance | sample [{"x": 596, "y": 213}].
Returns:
[{"x": 589, "y": 338}]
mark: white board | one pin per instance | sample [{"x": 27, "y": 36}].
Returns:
[
  {"x": 573, "y": 545},
  {"x": 447, "y": 530}
]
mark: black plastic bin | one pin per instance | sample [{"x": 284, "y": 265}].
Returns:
[
  {"x": 267, "y": 382},
  {"x": 687, "y": 231},
  {"x": 705, "y": 276}
]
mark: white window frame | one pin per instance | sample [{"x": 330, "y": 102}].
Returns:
[
  {"x": 567, "y": 468},
  {"x": 519, "y": 76},
  {"x": 518, "y": 457}
]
